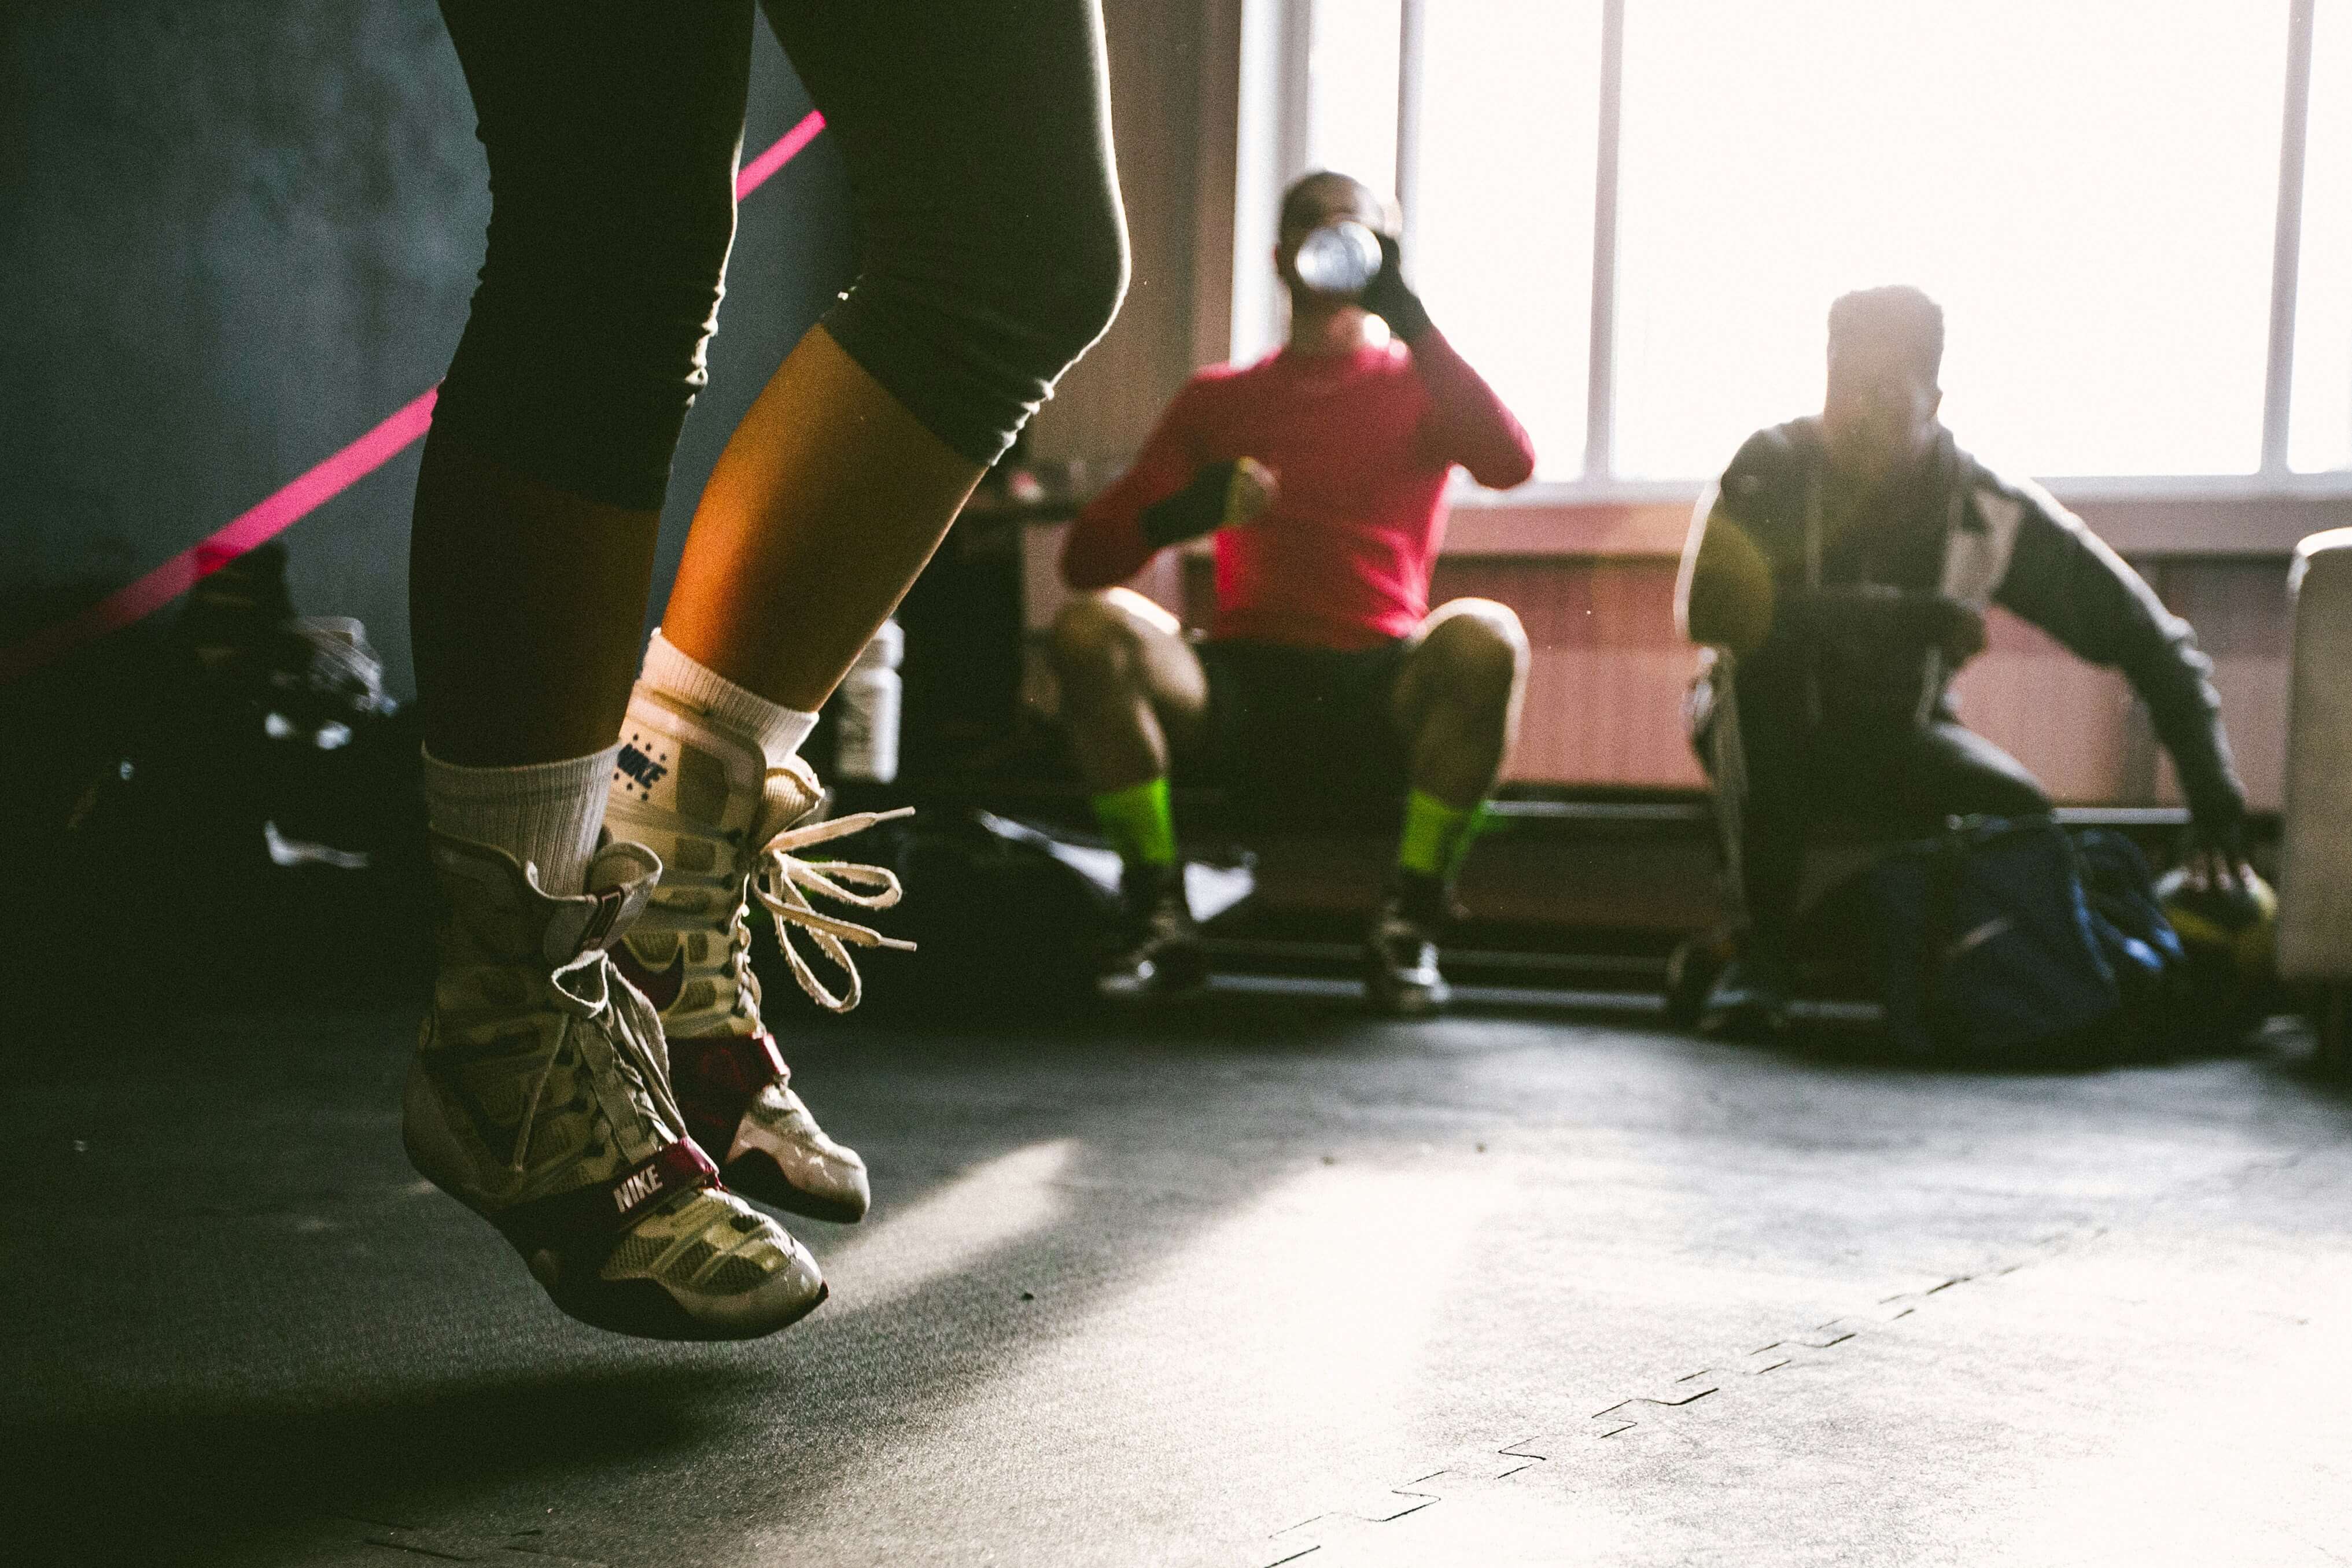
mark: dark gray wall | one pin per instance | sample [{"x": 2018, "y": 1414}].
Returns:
[{"x": 233, "y": 237}]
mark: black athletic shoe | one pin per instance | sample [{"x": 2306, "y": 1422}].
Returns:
[
  {"x": 1161, "y": 955},
  {"x": 1400, "y": 976},
  {"x": 1749, "y": 1000}
]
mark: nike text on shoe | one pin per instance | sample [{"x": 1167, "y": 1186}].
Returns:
[
  {"x": 729, "y": 832},
  {"x": 540, "y": 1098}
]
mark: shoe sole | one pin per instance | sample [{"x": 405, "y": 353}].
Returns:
[
  {"x": 1744, "y": 1022},
  {"x": 643, "y": 1309},
  {"x": 1187, "y": 979},
  {"x": 749, "y": 1178},
  {"x": 1412, "y": 1004}
]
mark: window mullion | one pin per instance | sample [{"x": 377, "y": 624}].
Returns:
[
  {"x": 1602, "y": 369},
  {"x": 2286, "y": 252},
  {"x": 1412, "y": 28}
]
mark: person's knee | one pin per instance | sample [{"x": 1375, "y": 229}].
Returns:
[
  {"x": 1064, "y": 276},
  {"x": 1034, "y": 288},
  {"x": 1096, "y": 648},
  {"x": 630, "y": 270},
  {"x": 1481, "y": 650},
  {"x": 1970, "y": 775},
  {"x": 665, "y": 287},
  {"x": 971, "y": 322}
]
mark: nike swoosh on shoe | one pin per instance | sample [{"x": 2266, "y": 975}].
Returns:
[{"x": 661, "y": 990}]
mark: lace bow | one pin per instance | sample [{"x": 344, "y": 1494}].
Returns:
[
  {"x": 783, "y": 882},
  {"x": 587, "y": 988}
]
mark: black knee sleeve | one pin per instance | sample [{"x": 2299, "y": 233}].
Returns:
[{"x": 969, "y": 319}]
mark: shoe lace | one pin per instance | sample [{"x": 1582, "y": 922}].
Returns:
[
  {"x": 584, "y": 989},
  {"x": 782, "y": 883}
]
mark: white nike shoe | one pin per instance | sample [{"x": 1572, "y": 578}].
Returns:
[
  {"x": 540, "y": 1098},
  {"x": 728, "y": 831}
]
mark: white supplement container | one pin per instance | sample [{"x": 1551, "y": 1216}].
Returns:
[{"x": 866, "y": 711}]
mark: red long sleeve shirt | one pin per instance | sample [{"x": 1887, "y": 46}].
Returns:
[{"x": 1360, "y": 445}]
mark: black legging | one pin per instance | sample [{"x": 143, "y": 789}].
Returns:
[
  {"x": 991, "y": 247},
  {"x": 1893, "y": 776}
]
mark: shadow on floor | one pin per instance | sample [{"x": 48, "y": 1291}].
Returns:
[{"x": 296, "y": 1345}]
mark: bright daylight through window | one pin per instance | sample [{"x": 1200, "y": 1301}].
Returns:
[
  {"x": 1504, "y": 232},
  {"x": 1352, "y": 82},
  {"x": 2089, "y": 187}
]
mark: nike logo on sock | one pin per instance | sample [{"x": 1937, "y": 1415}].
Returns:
[{"x": 635, "y": 764}]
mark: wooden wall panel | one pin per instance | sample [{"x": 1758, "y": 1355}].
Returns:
[
  {"x": 1604, "y": 697},
  {"x": 1605, "y": 689},
  {"x": 2072, "y": 723},
  {"x": 1605, "y": 694},
  {"x": 2243, "y": 618}
]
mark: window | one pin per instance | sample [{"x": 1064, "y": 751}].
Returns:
[
  {"x": 2091, "y": 188},
  {"x": 1503, "y": 228},
  {"x": 2087, "y": 188},
  {"x": 1352, "y": 84},
  {"x": 1502, "y": 232}
]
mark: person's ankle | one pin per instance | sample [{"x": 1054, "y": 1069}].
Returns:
[
  {"x": 546, "y": 815},
  {"x": 1144, "y": 884},
  {"x": 1421, "y": 898},
  {"x": 776, "y": 729}
]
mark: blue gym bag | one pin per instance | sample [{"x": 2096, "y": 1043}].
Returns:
[{"x": 2010, "y": 941}]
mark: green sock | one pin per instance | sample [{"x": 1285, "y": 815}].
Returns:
[
  {"x": 1139, "y": 822},
  {"x": 1436, "y": 835}
]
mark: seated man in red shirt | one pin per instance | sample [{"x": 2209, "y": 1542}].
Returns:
[{"x": 1327, "y": 678}]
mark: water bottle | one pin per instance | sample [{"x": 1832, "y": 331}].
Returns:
[
  {"x": 866, "y": 711},
  {"x": 1339, "y": 259}
]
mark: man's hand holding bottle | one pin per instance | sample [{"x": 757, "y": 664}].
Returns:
[
  {"x": 1349, "y": 261},
  {"x": 1388, "y": 296}
]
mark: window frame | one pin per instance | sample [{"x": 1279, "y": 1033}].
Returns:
[{"x": 2261, "y": 510}]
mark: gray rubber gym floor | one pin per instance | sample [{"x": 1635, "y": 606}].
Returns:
[{"x": 1249, "y": 1282}]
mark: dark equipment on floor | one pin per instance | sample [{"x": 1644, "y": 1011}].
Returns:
[{"x": 2011, "y": 942}]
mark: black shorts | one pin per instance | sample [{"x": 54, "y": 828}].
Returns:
[{"x": 1303, "y": 736}]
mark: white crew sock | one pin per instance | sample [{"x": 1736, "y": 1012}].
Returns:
[
  {"x": 547, "y": 814},
  {"x": 778, "y": 729}
]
